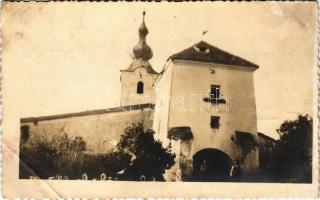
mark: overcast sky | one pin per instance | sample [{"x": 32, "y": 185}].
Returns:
[{"x": 65, "y": 57}]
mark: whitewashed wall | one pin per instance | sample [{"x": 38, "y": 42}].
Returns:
[
  {"x": 101, "y": 132},
  {"x": 129, "y": 81},
  {"x": 189, "y": 83}
]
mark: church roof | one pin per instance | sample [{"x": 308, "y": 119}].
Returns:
[
  {"x": 142, "y": 51},
  {"x": 204, "y": 52},
  {"x": 136, "y": 63}
]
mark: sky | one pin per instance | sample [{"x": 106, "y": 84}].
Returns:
[{"x": 62, "y": 57}]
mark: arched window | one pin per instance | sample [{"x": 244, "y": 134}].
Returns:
[{"x": 140, "y": 87}]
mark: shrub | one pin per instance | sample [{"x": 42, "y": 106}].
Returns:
[
  {"x": 137, "y": 154},
  {"x": 149, "y": 158},
  {"x": 36, "y": 158},
  {"x": 45, "y": 157}
]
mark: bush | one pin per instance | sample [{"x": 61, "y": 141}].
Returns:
[
  {"x": 137, "y": 154},
  {"x": 45, "y": 158},
  {"x": 36, "y": 158},
  {"x": 149, "y": 158}
]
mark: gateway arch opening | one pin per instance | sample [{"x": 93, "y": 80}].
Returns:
[{"x": 211, "y": 165}]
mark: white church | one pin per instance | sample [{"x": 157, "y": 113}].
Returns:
[{"x": 202, "y": 104}]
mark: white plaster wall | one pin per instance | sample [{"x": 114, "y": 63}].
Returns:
[
  {"x": 161, "y": 115},
  {"x": 129, "y": 81},
  {"x": 101, "y": 132},
  {"x": 190, "y": 81},
  {"x": 161, "y": 119}
]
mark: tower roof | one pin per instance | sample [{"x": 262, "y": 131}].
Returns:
[
  {"x": 204, "y": 52},
  {"x": 142, "y": 51}
]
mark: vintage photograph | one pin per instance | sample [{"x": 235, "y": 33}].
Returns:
[{"x": 160, "y": 92}]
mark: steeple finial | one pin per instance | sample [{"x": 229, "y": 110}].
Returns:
[{"x": 143, "y": 14}]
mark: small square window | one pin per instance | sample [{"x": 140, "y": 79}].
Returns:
[
  {"x": 214, "y": 95},
  {"x": 215, "y": 91},
  {"x": 214, "y": 123}
]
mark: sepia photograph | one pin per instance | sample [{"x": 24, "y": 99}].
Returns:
[{"x": 212, "y": 94}]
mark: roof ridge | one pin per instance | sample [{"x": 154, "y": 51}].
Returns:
[
  {"x": 225, "y": 51},
  {"x": 215, "y": 55},
  {"x": 89, "y": 112}
]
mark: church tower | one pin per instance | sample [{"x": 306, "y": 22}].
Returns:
[{"x": 138, "y": 79}]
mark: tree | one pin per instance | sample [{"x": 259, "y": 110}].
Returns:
[
  {"x": 149, "y": 158},
  {"x": 293, "y": 152}
]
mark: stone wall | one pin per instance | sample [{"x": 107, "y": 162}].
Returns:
[{"x": 101, "y": 129}]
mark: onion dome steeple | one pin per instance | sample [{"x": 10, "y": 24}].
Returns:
[
  {"x": 143, "y": 30},
  {"x": 141, "y": 51}
]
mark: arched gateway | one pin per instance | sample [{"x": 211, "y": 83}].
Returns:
[{"x": 211, "y": 165}]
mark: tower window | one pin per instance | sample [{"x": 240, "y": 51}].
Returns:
[
  {"x": 215, "y": 91},
  {"x": 214, "y": 95},
  {"x": 140, "y": 86},
  {"x": 214, "y": 123}
]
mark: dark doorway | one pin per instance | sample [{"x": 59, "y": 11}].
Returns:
[{"x": 211, "y": 165}]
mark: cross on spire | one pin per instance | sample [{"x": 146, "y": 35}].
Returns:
[{"x": 143, "y": 14}]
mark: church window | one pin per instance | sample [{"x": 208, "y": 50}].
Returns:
[
  {"x": 215, "y": 91},
  {"x": 140, "y": 86},
  {"x": 214, "y": 123}
]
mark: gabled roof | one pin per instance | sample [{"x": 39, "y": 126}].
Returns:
[{"x": 205, "y": 52}]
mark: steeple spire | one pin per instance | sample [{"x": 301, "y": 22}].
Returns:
[
  {"x": 141, "y": 50},
  {"x": 144, "y": 14}
]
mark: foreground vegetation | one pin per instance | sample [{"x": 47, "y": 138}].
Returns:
[
  {"x": 137, "y": 156},
  {"x": 291, "y": 156}
]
